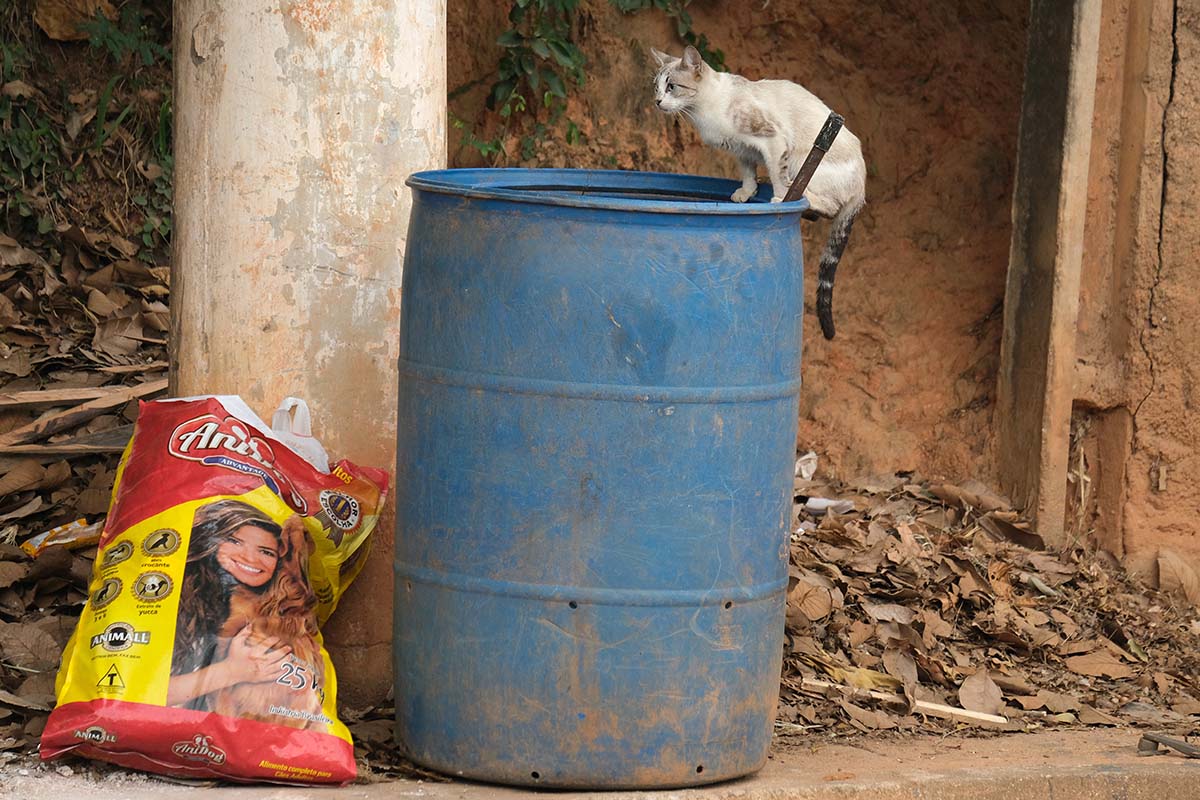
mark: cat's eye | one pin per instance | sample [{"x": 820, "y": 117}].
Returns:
[{"x": 670, "y": 86}]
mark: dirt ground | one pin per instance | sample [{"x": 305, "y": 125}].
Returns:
[
  {"x": 1066, "y": 766},
  {"x": 933, "y": 91}
]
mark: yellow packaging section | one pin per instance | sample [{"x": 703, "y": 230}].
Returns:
[{"x": 123, "y": 644}]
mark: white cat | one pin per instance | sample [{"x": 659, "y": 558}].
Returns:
[{"x": 772, "y": 123}]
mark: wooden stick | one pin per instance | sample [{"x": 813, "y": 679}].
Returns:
[
  {"x": 54, "y": 397},
  {"x": 125, "y": 369},
  {"x": 924, "y": 706},
  {"x": 61, "y": 449},
  {"x": 48, "y": 426},
  {"x": 111, "y": 441},
  {"x": 829, "y": 131}
]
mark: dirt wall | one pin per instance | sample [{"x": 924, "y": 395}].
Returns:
[{"x": 933, "y": 91}]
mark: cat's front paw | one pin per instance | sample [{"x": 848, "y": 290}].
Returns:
[
  {"x": 776, "y": 199},
  {"x": 742, "y": 195}
]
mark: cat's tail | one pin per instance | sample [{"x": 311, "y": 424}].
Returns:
[{"x": 843, "y": 221}]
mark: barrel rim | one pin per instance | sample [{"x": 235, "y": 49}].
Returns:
[{"x": 483, "y": 183}]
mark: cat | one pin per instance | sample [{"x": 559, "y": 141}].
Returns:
[{"x": 774, "y": 123}]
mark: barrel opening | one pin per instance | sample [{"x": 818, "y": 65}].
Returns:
[
  {"x": 625, "y": 192},
  {"x": 573, "y": 604},
  {"x": 648, "y": 192}
]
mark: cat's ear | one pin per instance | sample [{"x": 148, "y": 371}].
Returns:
[
  {"x": 692, "y": 60},
  {"x": 662, "y": 58}
]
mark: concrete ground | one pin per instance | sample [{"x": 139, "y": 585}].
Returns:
[{"x": 1069, "y": 765}]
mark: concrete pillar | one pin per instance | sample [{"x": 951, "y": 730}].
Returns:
[
  {"x": 296, "y": 124},
  {"x": 1036, "y": 382}
]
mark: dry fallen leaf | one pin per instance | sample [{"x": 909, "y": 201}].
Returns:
[
  {"x": 874, "y": 720},
  {"x": 1053, "y": 702},
  {"x": 812, "y": 601},
  {"x": 1075, "y": 648},
  {"x": 10, "y": 699},
  {"x": 17, "y": 363},
  {"x": 11, "y": 572},
  {"x": 100, "y": 304},
  {"x": 28, "y": 647},
  {"x": 1099, "y": 663},
  {"x": 18, "y": 89},
  {"x": 1094, "y": 716},
  {"x": 1151, "y": 715},
  {"x": 25, "y": 475},
  {"x": 37, "y": 685},
  {"x": 900, "y": 664},
  {"x": 8, "y": 312},
  {"x": 980, "y": 693},
  {"x": 1177, "y": 575},
  {"x": 24, "y": 510},
  {"x": 61, "y": 20},
  {"x": 889, "y": 612},
  {"x": 971, "y": 494},
  {"x": 860, "y": 632},
  {"x": 1005, "y": 530},
  {"x": 1186, "y": 705}
]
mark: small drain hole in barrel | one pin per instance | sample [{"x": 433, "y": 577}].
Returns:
[
  {"x": 573, "y": 604},
  {"x": 535, "y": 775},
  {"x": 408, "y": 586},
  {"x": 728, "y": 604},
  {"x": 699, "y": 769}
]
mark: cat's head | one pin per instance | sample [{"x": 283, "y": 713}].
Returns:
[{"x": 679, "y": 80}]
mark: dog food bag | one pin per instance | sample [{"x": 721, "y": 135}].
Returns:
[{"x": 227, "y": 545}]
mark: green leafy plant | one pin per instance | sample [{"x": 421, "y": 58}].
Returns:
[
  {"x": 105, "y": 128},
  {"x": 539, "y": 56},
  {"x": 131, "y": 34},
  {"x": 488, "y": 148},
  {"x": 98, "y": 148},
  {"x": 30, "y": 147},
  {"x": 540, "y": 64},
  {"x": 135, "y": 41},
  {"x": 677, "y": 10},
  {"x": 157, "y": 201}
]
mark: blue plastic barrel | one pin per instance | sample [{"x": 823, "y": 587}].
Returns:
[{"x": 599, "y": 374}]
